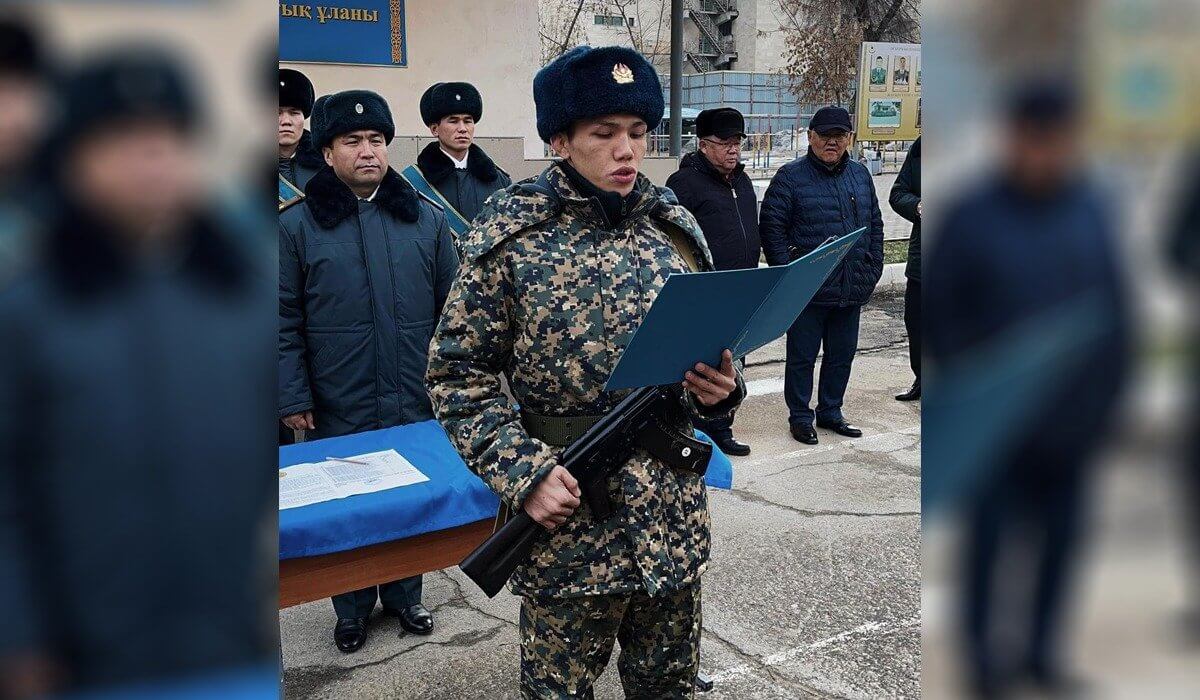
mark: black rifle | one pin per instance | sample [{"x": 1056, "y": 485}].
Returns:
[{"x": 645, "y": 418}]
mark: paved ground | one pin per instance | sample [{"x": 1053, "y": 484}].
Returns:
[{"x": 813, "y": 591}]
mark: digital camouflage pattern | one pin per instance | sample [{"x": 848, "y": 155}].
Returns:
[
  {"x": 549, "y": 296},
  {"x": 566, "y": 644}
]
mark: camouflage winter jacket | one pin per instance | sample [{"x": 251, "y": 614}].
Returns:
[{"x": 549, "y": 296}]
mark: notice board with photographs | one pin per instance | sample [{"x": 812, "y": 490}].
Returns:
[{"x": 889, "y": 92}]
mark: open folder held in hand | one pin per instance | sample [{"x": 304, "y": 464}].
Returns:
[{"x": 697, "y": 316}]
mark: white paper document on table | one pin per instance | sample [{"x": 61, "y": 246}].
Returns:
[{"x": 306, "y": 484}]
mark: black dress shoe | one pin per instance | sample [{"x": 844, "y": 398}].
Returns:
[
  {"x": 350, "y": 633},
  {"x": 732, "y": 447},
  {"x": 912, "y": 394},
  {"x": 414, "y": 618},
  {"x": 804, "y": 433},
  {"x": 841, "y": 427}
]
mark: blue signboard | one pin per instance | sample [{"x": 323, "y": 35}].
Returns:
[{"x": 366, "y": 32}]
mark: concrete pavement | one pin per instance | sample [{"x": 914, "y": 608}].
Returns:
[{"x": 813, "y": 589}]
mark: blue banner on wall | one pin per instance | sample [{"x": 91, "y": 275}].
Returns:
[{"x": 366, "y": 32}]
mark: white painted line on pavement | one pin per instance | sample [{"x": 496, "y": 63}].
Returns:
[
  {"x": 764, "y": 387},
  {"x": 869, "y": 628}
]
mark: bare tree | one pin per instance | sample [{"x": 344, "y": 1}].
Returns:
[
  {"x": 559, "y": 29},
  {"x": 886, "y": 20},
  {"x": 650, "y": 21},
  {"x": 646, "y": 25},
  {"x": 821, "y": 48},
  {"x": 823, "y": 39}
]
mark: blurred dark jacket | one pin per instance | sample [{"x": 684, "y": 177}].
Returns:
[
  {"x": 306, "y": 162},
  {"x": 807, "y": 203},
  {"x": 361, "y": 288},
  {"x": 727, "y": 210},
  {"x": 1183, "y": 242},
  {"x": 906, "y": 195},
  {"x": 465, "y": 189},
  {"x": 136, "y": 455},
  {"x": 1003, "y": 257}
]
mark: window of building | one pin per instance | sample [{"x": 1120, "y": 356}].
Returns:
[{"x": 612, "y": 21}]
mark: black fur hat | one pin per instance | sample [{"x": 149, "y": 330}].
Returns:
[
  {"x": 296, "y": 90},
  {"x": 442, "y": 99},
  {"x": 352, "y": 110},
  {"x": 125, "y": 84},
  {"x": 20, "y": 48},
  {"x": 586, "y": 82}
]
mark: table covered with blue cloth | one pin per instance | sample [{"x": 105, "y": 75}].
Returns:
[{"x": 452, "y": 496}]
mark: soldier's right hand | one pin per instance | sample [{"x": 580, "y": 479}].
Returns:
[
  {"x": 300, "y": 421},
  {"x": 554, "y": 499}
]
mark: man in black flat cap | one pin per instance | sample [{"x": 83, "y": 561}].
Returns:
[
  {"x": 299, "y": 159},
  {"x": 713, "y": 185},
  {"x": 453, "y": 170},
  {"x": 365, "y": 265},
  {"x": 821, "y": 195}
]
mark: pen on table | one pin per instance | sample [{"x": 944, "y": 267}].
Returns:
[{"x": 348, "y": 461}]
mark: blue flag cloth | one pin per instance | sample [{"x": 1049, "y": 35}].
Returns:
[
  {"x": 453, "y": 495},
  {"x": 457, "y": 222},
  {"x": 696, "y": 316}
]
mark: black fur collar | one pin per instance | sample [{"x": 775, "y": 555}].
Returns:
[
  {"x": 307, "y": 154},
  {"x": 331, "y": 201},
  {"x": 437, "y": 166},
  {"x": 87, "y": 259}
]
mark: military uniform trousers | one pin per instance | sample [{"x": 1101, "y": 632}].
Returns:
[{"x": 566, "y": 644}]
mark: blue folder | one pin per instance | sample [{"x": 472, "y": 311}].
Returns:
[
  {"x": 453, "y": 495},
  {"x": 696, "y": 316}
]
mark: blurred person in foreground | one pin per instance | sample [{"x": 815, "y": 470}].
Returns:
[
  {"x": 822, "y": 195},
  {"x": 365, "y": 265},
  {"x": 1184, "y": 256},
  {"x": 24, "y": 73},
  {"x": 906, "y": 201},
  {"x": 136, "y": 488},
  {"x": 712, "y": 184},
  {"x": 1034, "y": 235}
]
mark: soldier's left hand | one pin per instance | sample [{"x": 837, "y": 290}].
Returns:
[{"x": 712, "y": 386}]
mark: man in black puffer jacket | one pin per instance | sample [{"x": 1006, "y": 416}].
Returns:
[
  {"x": 824, "y": 195},
  {"x": 712, "y": 184},
  {"x": 906, "y": 200}
]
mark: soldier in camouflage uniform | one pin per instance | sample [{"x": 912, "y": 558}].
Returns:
[{"x": 557, "y": 274}]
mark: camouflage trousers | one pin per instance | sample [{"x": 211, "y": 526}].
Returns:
[{"x": 566, "y": 644}]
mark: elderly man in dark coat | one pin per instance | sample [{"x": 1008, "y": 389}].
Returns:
[
  {"x": 365, "y": 265},
  {"x": 459, "y": 173},
  {"x": 712, "y": 184},
  {"x": 822, "y": 195}
]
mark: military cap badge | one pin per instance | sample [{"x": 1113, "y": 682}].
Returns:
[{"x": 622, "y": 74}]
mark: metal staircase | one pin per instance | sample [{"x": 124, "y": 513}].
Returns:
[{"x": 716, "y": 51}]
